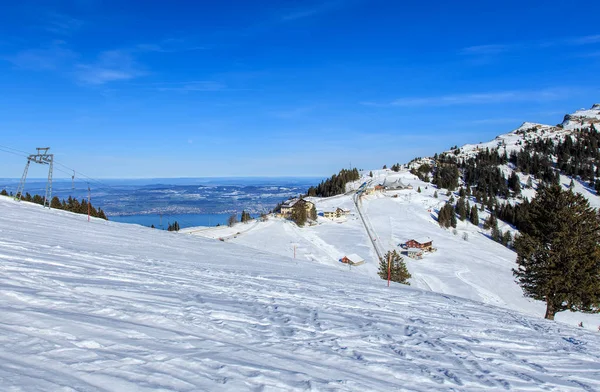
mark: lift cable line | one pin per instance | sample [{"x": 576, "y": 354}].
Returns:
[
  {"x": 72, "y": 173},
  {"x": 43, "y": 158}
]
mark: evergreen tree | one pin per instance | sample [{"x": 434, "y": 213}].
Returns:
[
  {"x": 474, "y": 216},
  {"x": 419, "y": 189},
  {"x": 371, "y": 174},
  {"x": 461, "y": 209},
  {"x": 4, "y": 193},
  {"x": 506, "y": 238},
  {"x": 55, "y": 203},
  {"x": 313, "y": 213},
  {"x": 446, "y": 216},
  {"x": 558, "y": 254},
  {"x": 299, "y": 215},
  {"x": 514, "y": 183},
  {"x": 435, "y": 194},
  {"x": 232, "y": 220},
  {"x": 398, "y": 271},
  {"x": 245, "y": 218}
]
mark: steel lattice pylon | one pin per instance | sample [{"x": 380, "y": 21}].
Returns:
[{"x": 42, "y": 157}]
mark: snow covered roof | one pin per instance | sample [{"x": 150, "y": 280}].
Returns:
[
  {"x": 354, "y": 258},
  {"x": 414, "y": 250},
  {"x": 394, "y": 183},
  {"x": 422, "y": 240}
]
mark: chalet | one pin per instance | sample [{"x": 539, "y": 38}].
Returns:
[
  {"x": 353, "y": 259},
  {"x": 339, "y": 212},
  {"x": 422, "y": 243},
  {"x": 288, "y": 206},
  {"x": 329, "y": 214},
  {"x": 393, "y": 185},
  {"x": 414, "y": 253}
]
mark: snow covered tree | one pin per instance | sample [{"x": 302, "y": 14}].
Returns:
[
  {"x": 558, "y": 254},
  {"x": 398, "y": 271}
]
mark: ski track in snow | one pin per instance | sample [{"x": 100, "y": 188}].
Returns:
[{"x": 102, "y": 306}]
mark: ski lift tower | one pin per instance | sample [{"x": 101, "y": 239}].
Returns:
[{"x": 42, "y": 157}]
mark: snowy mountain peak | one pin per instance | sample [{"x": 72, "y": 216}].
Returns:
[
  {"x": 582, "y": 118},
  {"x": 529, "y": 125}
]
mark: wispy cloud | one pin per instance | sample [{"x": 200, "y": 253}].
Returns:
[
  {"x": 51, "y": 57},
  {"x": 495, "y": 48},
  {"x": 486, "y": 49},
  {"x": 314, "y": 9},
  {"x": 61, "y": 24},
  {"x": 477, "y": 98},
  {"x": 193, "y": 86},
  {"x": 111, "y": 66},
  {"x": 585, "y": 40},
  {"x": 171, "y": 45}
]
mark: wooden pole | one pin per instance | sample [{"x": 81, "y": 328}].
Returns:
[{"x": 389, "y": 268}]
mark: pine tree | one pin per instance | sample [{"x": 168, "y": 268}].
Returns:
[
  {"x": 4, "y": 193},
  {"x": 419, "y": 189},
  {"x": 299, "y": 215},
  {"x": 435, "y": 194},
  {"x": 371, "y": 174},
  {"x": 558, "y": 254},
  {"x": 461, "y": 209},
  {"x": 398, "y": 271},
  {"x": 232, "y": 220},
  {"x": 313, "y": 213},
  {"x": 474, "y": 216}
]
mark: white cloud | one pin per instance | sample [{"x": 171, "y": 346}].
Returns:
[
  {"x": 478, "y": 98},
  {"x": 111, "y": 66},
  {"x": 62, "y": 24},
  {"x": 50, "y": 57},
  {"x": 191, "y": 86}
]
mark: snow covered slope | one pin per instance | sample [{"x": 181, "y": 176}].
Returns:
[{"x": 103, "y": 306}]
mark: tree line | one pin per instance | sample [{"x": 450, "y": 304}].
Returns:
[
  {"x": 71, "y": 204},
  {"x": 336, "y": 185}
]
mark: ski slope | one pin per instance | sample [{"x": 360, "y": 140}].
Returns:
[{"x": 103, "y": 306}]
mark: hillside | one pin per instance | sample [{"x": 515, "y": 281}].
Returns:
[
  {"x": 108, "y": 306},
  {"x": 477, "y": 268}
]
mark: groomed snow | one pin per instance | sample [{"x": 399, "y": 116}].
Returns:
[{"x": 103, "y": 306}]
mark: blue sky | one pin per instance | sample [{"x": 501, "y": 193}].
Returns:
[{"x": 285, "y": 88}]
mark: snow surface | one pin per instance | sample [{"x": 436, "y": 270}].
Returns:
[{"x": 103, "y": 306}]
